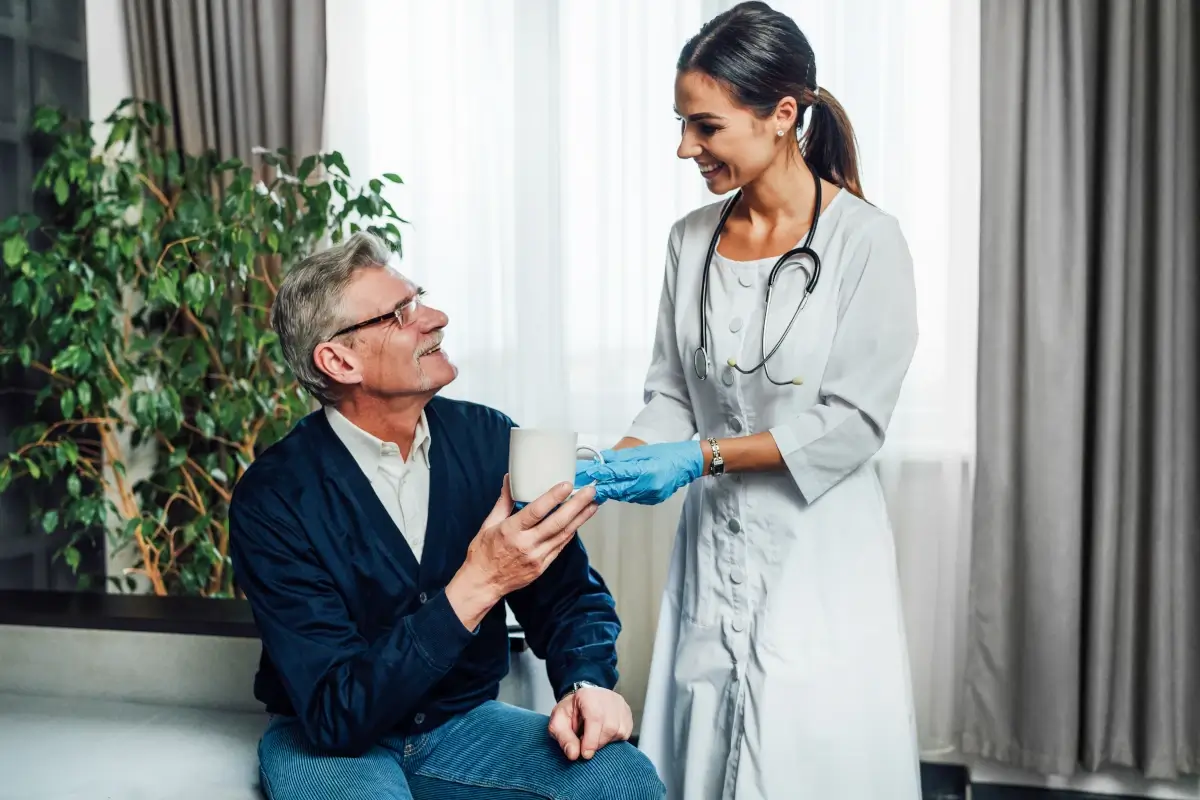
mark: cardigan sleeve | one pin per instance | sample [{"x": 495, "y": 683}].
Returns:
[{"x": 346, "y": 691}]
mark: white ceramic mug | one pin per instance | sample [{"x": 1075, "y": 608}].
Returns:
[{"x": 539, "y": 459}]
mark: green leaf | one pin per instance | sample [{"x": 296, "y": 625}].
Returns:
[
  {"x": 205, "y": 423},
  {"x": 164, "y": 288},
  {"x": 70, "y": 450},
  {"x": 196, "y": 289},
  {"x": 25, "y": 353},
  {"x": 177, "y": 458},
  {"x": 83, "y": 302},
  {"x": 61, "y": 190},
  {"x": 84, "y": 392},
  {"x": 50, "y": 521},
  {"x": 219, "y": 475},
  {"x": 20, "y": 295},
  {"x": 5, "y": 475},
  {"x": 393, "y": 177},
  {"x": 67, "y": 403},
  {"x": 15, "y": 250},
  {"x": 74, "y": 485},
  {"x": 72, "y": 556},
  {"x": 35, "y": 471}
]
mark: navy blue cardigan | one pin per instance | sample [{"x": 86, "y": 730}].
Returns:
[{"x": 359, "y": 639}]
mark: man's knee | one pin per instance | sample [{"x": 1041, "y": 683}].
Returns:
[{"x": 627, "y": 774}]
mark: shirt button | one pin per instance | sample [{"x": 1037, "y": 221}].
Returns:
[
  {"x": 419, "y": 718},
  {"x": 727, "y": 376},
  {"x": 734, "y": 525},
  {"x": 746, "y": 279},
  {"x": 736, "y": 424},
  {"x": 423, "y": 598},
  {"x": 736, "y": 575},
  {"x": 735, "y": 324}
]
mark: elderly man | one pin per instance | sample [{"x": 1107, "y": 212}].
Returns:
[{"x": 376, "y": 543}]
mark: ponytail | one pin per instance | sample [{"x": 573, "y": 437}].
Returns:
[{"x": 829, "y": 145}]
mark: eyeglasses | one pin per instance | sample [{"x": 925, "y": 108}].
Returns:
[{"x": 404, "y": 314}]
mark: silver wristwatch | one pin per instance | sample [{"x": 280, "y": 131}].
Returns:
[
  {"x": 577, "y": 685},
  {"x": 717, "y": 467}
]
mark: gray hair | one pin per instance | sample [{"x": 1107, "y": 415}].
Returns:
[{"x": 308, "y": 306}]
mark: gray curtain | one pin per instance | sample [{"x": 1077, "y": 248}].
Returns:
[
  {"x": 234, "y": 74},
  {"x": 1084, "y": 647}
]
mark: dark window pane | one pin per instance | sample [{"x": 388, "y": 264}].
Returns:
[
  {"x": 6, "y": 9},
  {"x": 57, "y": 81},
  {"x": 62, "y": 19},
  {"x": 17, "y": 573},
  {"x": 8, "y": 80},
  {"x": 8, "y": 178}
]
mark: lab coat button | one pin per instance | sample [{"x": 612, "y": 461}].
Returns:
[
  {"x": 737, "y": 624},
  {"x": 734, "y": 525},
  {"x": 735, "y": 324},
  {"x": 736, "y": 424},
  {"x": 736, "y": 575},
  {"x": 727, "y": 376},
  {"x": 746, "y": 279}
]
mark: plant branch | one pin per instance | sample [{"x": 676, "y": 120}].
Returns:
[
  {"x": 162, "y": 198},
  {"x": 167, "y": 249}
]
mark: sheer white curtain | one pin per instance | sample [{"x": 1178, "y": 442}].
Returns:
[{"x": 537, "y": 143}]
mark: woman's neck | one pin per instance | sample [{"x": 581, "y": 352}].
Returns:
[{"x": 783, "y": 194}]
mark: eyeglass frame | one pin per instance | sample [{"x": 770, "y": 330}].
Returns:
[{"x": 411, "y": 305}]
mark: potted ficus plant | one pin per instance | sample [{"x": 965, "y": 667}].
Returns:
[{"x": 141, "y": 300}]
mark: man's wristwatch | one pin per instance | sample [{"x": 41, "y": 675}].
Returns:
[
  {"x": 717, "y": 467},
  {"x": 576, "y": 686}
]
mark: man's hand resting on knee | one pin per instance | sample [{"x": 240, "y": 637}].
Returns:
[
  {"x": 587, "y": 719},
  {"x": 510, "y": 552}
]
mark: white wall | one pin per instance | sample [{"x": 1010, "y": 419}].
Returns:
[{"x": 109, "y": 81}]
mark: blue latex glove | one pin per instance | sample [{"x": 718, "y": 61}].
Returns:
[{"x": 646, "y": 475}]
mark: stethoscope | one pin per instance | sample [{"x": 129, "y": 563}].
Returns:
[{"x": 702, "y": 363}]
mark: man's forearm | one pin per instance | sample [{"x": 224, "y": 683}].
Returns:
[{"x": 471, "y": 596}]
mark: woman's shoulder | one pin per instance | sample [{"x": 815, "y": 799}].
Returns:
[
  {"x": 859, "y": 220},
  {"x": 699, "y": 220}
]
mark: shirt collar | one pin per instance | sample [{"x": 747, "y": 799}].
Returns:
[{"x": 368, "y": 450}]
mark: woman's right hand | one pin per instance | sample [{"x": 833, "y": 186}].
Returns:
[{"x": 647, "y": 474}]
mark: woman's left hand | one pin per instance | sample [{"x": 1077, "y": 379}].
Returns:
[{"x": 647, "y": 474}]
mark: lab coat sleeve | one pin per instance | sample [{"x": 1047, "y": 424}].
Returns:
[
  {"x": 870, "y": 355},
  {"x": 667, "y": 415},
  {"x": 346, "y": 691}
]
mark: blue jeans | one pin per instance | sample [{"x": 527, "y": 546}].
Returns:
[{"x": 493, "y": 752}]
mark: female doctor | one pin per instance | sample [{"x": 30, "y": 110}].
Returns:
[{"x": 780, "y": 667}]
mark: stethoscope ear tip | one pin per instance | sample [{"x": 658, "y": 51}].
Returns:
[
  {"x": 797, "y": 381},
  {"x": 732, "y": 362}
]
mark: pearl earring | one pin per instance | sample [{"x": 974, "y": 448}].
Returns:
[{"x": 779, "y": 133}]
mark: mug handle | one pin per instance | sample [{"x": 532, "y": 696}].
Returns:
[{"x": 596, "y": 455}]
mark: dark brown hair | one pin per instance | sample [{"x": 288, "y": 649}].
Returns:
[{"x": 761, "y": 56}]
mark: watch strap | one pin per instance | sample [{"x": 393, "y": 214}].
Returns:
[{"x": 717, "y": 466}]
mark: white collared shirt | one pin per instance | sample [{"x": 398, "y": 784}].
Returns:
[{"x": 402, "y": 486}]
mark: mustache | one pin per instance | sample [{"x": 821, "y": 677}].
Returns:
[{"x": 431, "y": 344}]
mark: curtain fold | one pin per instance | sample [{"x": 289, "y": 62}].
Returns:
[
  {"x": 233, "y": 74},
  {"x": 1084, "y": 648}
]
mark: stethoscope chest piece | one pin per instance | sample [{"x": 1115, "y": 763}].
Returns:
[{"x": 702, "y": 364}]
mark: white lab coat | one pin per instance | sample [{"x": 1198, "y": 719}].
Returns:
[{"x": 780, "y": 668}]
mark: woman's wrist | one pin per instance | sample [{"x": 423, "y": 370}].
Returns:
[{"x": 754, "y": 453}]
